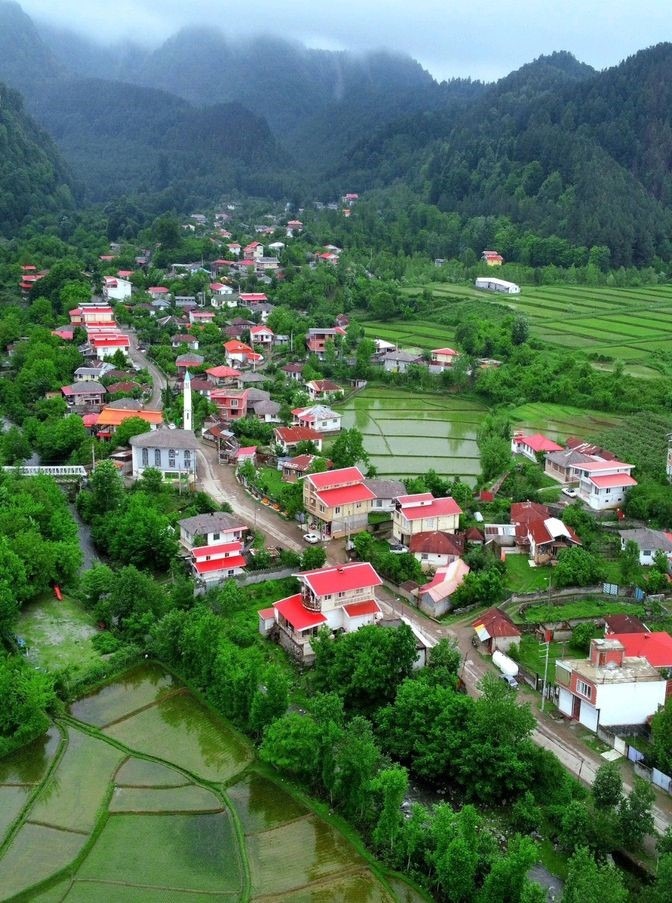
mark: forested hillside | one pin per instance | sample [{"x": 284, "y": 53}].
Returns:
[
  {"x": 33, "y": 178},
  {"x": 124, "y": 139}
]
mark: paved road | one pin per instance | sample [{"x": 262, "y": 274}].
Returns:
[{"x": 159, "y": 381}]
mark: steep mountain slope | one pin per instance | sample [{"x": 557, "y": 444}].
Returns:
[
  {"x": 26, "y": 62},
  {"x": 33, "y": 178},
  {"x": 125, "y": 139}
]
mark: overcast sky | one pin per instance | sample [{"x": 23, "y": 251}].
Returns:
[{"x": 479, "y": 38}]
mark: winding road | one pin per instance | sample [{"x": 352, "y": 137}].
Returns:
[{"x": 159, "y": 381}]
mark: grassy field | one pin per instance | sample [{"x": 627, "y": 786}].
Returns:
[
  {"x": 521, "y": 578},
  {"x": 560, "y": 421},
  {"x": 86, "y": 819},
  {"x": 619, "y": 323},
  {"x": 585, "y": 608},
  {"x": 532, "y": 655},
  {"x": 58, "y": 634}
]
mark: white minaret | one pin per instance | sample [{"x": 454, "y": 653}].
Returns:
[{"x": 186, "y": 416}]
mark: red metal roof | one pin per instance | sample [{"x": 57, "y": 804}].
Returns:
[
  {"x": 357, "y": 609},
  {"x": 294, "y": 612},
  {"x": 297, "y": 434},
  {"x": 253, "y": 296},
  {"x": 604, "y": 465},
  {"x": 341, "y": 578},
  {"x": 656, "y": 648},
  {"x": 267, "y": 614},
  {"x": 438, "y": 508},
  {"x": 219, "y": 564},
  {"x": 223, "y": 371},
  {"x": 613, "y": 480},
  {"x": 217, "y": 549},
  {"x": 336, "y": 477},
  {"x": 538, "y": 443},
  {"x": 345, "y": 495},
  {"x": 497, "y": 623}
]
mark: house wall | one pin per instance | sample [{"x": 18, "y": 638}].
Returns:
[
  {"x": 434, "y": 560},
  {"x": 503, "y": 643},
  {"x": 187, "y": 539},
  {"x": 334, "y": 603},
  {"x": 403, "y": 528},
  {"x": 601, "y": 499},
  {"x": 160, "y": 459},
  {"x": 630, "y": 703}
]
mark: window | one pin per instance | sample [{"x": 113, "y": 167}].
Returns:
[
  {"x": 337, "y": 509},
  {"x": 584, "y": 689},
  {"x": 171, "y": 457},
  {"x": 187, "y": 458},
  {"x": 157, "y": 457},
  {"x": 145, "y": 457},
  {"x": 328, "y": 596},
  {"x": 215, "y": 535},
  {"x": 234, "y": 402},
  {"x": 646, "y": 553},
  {"x": 340, "y": 595}
]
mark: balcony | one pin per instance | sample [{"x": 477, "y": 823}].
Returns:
[{"x": 311, "y": 602}]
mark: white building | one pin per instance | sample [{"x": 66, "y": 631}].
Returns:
[
  {"x": 210, "y": 529},
  {"x": 604, "y": 484},
  {"x": 490, "y": 284},
  {"x": 608, "y": 688},
  {"x": 318, "y": 417},
  {"x": 173, "y": 452},
  {"x": 648, "y": 542},
  {"x": 116, "y": 289},
  {"x": 422, "y": 513}
]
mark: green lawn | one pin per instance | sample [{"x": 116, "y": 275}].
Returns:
[
  {"x": 532, "y": 655},
  {"x": 584, "y": 608},
  {"x": 521, "y": 578},
  {"x": 270, "y": 478}
]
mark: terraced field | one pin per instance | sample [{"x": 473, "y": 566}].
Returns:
[
  {"x": 143, "y": 794},
  {"x": 621, "y": 323}
]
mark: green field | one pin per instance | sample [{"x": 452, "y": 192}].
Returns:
[
  {"x": 149, "y": 817},
  {"x": 407, "y": 434},
  {"x": 621, "y": 323}
]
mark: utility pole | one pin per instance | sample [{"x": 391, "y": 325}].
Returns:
[{"x": 547, "y": 643}]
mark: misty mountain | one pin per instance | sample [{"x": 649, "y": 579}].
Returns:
[
  {"x": 126, "y": 139},
  {"x": 33, "y": 178},
  {"x": 26, "y": 63}
]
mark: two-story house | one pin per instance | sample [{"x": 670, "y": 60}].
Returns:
[
  {"x": 341, "y": 597},
  {"x": 318, "y": 417},
  {"x": 338, "y": 501},
  {"x": 87, "y": 394},
  {"x": 262, "y": 335},
  {"x": 173, "y": 452},
  {"x": 608, "y": 688},
  {"x": 321, "y": 389},
  {"x": 442, "y": 359},
  {"x": 604, "y": 484},
  {"x": 288, "y": 437},
  {"x": 318, "y": 338},
  {"x": 211, "y": 529},
  {"x": 231, "y": 402},
  {"x": 224, "y": 375},
  {"x": 422, "y": 513},
  {"x": 218, "y": 562}
]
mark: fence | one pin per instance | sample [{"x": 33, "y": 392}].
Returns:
[{"x": 632, "y": 754}]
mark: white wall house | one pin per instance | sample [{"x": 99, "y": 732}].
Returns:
[
  {"x": 604, "y": 484},
  {"x": 609, "y": 688}
]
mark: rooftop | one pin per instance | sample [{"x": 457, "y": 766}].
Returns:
[
  {"x": 633, "y": 670},
  {"x": 656, "y": 647},
  {"x": 299, "y": 617},
  {"x": 165, "y": 439},
  {"x": 341, "y": 578},
  {"x": 217, "y": 522}
]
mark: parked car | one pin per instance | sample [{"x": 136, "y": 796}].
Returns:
[
  {"x": 312, "y": 538},
  {"x": 510, "y": 680},
  {"x": 571, "y": 493},
  {"x": 398, "y": 548}
]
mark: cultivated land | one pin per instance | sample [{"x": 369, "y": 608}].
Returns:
[
  {"x": 627, "y": 324},
  {"x": 144, "y": 793},
  {"x": 405, "y": 433}
]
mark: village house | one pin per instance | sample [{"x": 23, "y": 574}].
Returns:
[
  {"x": 92, "y": 314},
  {"x": 93, "y": 372},
  {"x": 262, "y": 335},
  {"x": 237, "y": 352},
  {"x": 231, "y": 402},
  {"x": 337, "y": 501},
  {"x": 253, "y": 251},
  {"x": 184, "y": 338},
  {"x": 87, "y": 394},
  {"x": 317, "y": 339},
  {"x": 223, "y": 375},
  {"x": 293, "y": 371},
  {"x": 296, "y": 468},
  {"x": 188, "y": 360},
  {"x": 494, "y": 629},
  {"x": 492, "y": 258},
  {"x": 422, "y": 513},
  {"x": 603, "y": 484},
  {"x": 531, "y": 445},
  {"x": 649, "y": 542},
  {"x": 211, "y": 529},
  {"x": 565, "y": 465},
  {"x": 442, "y": 359},
  {"x": 608, "y": 688},
  {"x": 617, "y": 624},
  {"x": 293, "y": 226},
  {"x": 385, "y": 492},
  {"x": 398, "y": 361},
  {"x": 201, "y": 317},
  {"x": 288, "y": 437},
  {"x": 539, "y": 534},
  {"x": 116, "y": 289},
  {"x": 213, "y": 564},
  {"x": 246, "y": 455},
  {"x": 104, "y": 345},
  {"x": 436, "y": 549},
  {"x": 157, "y": 292},
  {"x": 318, "y": 417},
  {"x": 322, "y": 389},
  {"x": 66, "y": 333},
  {"x": 112, "y": 417},
  {"x": 341, "y": 597},
  {"x": 267, "y": 410},
  {"x": 435, "y": 597},
  {"x": 172, "y": 452}
]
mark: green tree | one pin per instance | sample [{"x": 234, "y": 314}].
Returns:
[
  {"x": 629, "y": 563},
  {"x": 292, "y": 745},
  {"x": 635, "y": 814},
  {"x": 607, "y": 787},
  {"x": 270, "y": 699},
  {"x": 661, "y": 737},
  {"x": 348, "y": 449},
  {"x": 356, "y": 763},
  {"x": 313, "y": 558},
  {"x": 588, "y": 882},
  {"x": 577, "y": 567},
  {"x": 391, "y": 784}
]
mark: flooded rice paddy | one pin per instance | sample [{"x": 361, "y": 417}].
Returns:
[{"x": 142, "y": 793}]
